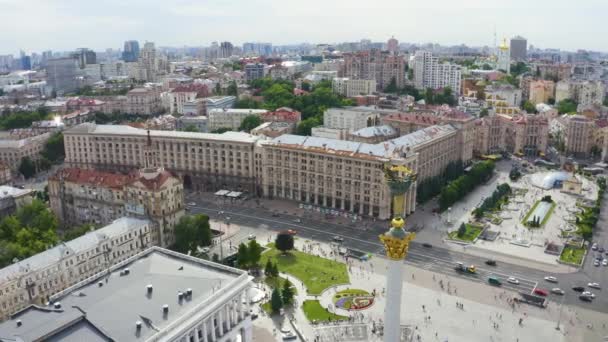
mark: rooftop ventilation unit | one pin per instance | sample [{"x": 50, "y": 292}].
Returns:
[
  {"x": 138, "y": 325},
  {"x": 149, "y": 288},
  {"x": 189, "y": 292},
  {"x": 180, "y": 296},
  {"x": 166, "y": 309}
]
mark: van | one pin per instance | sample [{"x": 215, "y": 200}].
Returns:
[{"x": 494, "y": 281}]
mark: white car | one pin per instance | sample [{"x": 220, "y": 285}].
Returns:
[
  {"x": 557, "y": 290},
  {"x": 588, "y": 294},
  {"x": 297, "y": 221},
  {"x": 251, "y": 237},
  {"x": 596, "y": 263},
  {"x": 594, "y": 285},
  {"x": 287, "y": 334},
  {"x": 192, "y": 203},
  {"x": 513, "y": 280},
  {"x": 605, "y": 262},
  {"x": 551, "y": 279},
  {"x": 594, "y": 247}
]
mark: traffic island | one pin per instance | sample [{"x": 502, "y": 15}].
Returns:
[
  {"x": 469, "y": 234},
  {"x": 353, "y": 299},
  {"x": 572, "y": 255}
]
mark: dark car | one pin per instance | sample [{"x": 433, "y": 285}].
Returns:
[
  {"x": 601, "y": 250},
  {"x": 491, "y": 262},
  {"x": 427, "y": 245},
  {"x": 579, "y": 288},
  {"x": 585, "y": 298},
  {"x": 275, "y": 214}
]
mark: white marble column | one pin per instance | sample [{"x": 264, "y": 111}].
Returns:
[
  {"x": 204, "y": 330},
  {"x": 196, "y": 339},
  {"x": 220, "y": 320},
  {"x": 392, "y": 313},
  {"x": 241, "y": 306}
]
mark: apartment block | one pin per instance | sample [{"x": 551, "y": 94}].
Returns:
[
  {"x": 13, "y": 148},
  {"x": 429, "y": 73},
  {"x": 541, "y": 91},
  {"x": 351, "y": 88},
  {"x": 374, "y": 64},
  {"x": 585, "y": 93},
  {"x": 230, "y": 117},
  {"x": 525, "y": 134},
  {"x": 181, "y": 95},
  {"x": 144, "y": 101}
]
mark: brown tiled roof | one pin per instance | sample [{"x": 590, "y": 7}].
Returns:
[{"x": 93, "y": 177}]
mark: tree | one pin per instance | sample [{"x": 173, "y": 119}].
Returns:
[
  {"x": 54, "y": 149},
  {"x": 254, "y": 253},
  {"x": 218, "y": 89},
  {"x": 268, "y": 268},
  {"x": 486, "y": 66},
  {"x": 192, "y": 232},
  {"x": 250, "y": 122},
  {"x": 392, "y": 86},
  {"x": 567, "y": 106},
  {"x": 483, "y": 112},
  {"x": 529, "y": 107},
  {"x": 306, "y": 86},
  {"x": 242, "y": 256},
  {"x": 191, "y": 128},
  {"x": 287, "y": 293},
  {"x": 221, "y": 130},
  {"x": 233, "y": 89},
  {"x": 461, "y": 230},
  {"x": 305, "y": 126},
  {"x": 276, "y": 302},
  {"x": 284, "y": 242},
  {"x": 27, "y": 168}
]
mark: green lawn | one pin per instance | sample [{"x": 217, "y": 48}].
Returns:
[
  {"x": 266, "y": 307},
  {"x": 525, "y": 220},
  {"x": 315, "y": 312},
  {"x": 572, "y": 255},
  {"x": 470, "y": 235},
  {"x": 317, "y": 273}
]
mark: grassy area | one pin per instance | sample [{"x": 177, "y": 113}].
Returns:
[
  {"x": 267, "y": 308},
  {"x": 315, "y": 312},
  {"x": 315, "y": 272},
  {"x": 525, "y": 220},
  {"x": 347, "y": 298},
  {"x": 572, "y": 255},
  {"x": 470, "y": 235}
]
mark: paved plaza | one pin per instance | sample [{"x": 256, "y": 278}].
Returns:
[{"x": 441, "y": 308}]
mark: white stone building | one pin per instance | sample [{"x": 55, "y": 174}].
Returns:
[
  {"x": 349, "y": 88},
  {"x": 230, "y": 117},
  {"x": 429, "y": 73},
  {"x": 153, "y": 295}
]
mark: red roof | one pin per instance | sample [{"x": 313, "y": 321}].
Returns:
[{"x": 92, "y": 177}]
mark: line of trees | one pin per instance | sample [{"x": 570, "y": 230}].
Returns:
[
  {"x": 494, "y": 201},
  {"x": 432, "y": 186},
  {"x": 23, "y": 119},
  {"x": 587, "y": 220},
  {"x": 464, "y": 184}
]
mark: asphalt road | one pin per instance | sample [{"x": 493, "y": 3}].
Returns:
[{"x": 435, "y": 259}]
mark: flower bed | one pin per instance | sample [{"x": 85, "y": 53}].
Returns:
[{"x": 353, "y": 299}]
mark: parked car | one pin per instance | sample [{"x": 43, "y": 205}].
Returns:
[
  {"x": 596, "y": 263},
  {"x": 338, "y": 238},
  {"x": 297, "y": 220},
  {"x": 594, "y": 247},
  {"x": 551, "y": 279},
  {"x": 192, "y": 203},
  {"x": 557, "y": 290},
  {"x": 605, "y": 262},
  {"x": 594, "y": 285},
  {"x": 491, "y": 262},
  {"x": 292, "y": 231},
  {"x": 540, "y": 292},
  {"x": 578, "y": 288},
  {"x": 601, "y": 250},
  {"x": 275, "y": 214},
  {"x": 585, "y": 298},
  {"x": 427, "y": 245},
  {"x": 513, "y": 280},
  {"x": 287, "y": 334},
  {"x": 251, "y": 237}
]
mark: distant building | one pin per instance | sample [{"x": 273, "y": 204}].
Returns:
[
  {"x": 520, "y": 134},
  {"x": 14, "y": 149},
  {"x": 519, "y": 48},
  {"x": 226, "y": 50},
  {"x": 194, "y": 107},
  {"x": 110, "y": 286},
  {"x": 254, "y": 71},
  {"x": 351, "y": 88},
  {"x": 503, "y": 95},
  {"x": 6, "y": 175},
  {"x": 77, "y": 117},
  {"x": 230, "y": 118},
  {"x": 198, "y": 122},
  {"x": 33, "y": 280},
  {"x": 578, "y": 135},
  {"x": 429, "y": 73},
  {"x": 12, "y": 199},
  {"x": 283, "y": 114},
  {"x": 219, "y": 102},
  {"x": 584, "y": 93},
  {"x": 273, "y": 129},
  {"x": 130, "y": 52},
  {"x": 144, "y": 101},
  {"x": 541, "y": 91},
  {"x": 373, "y": 134},
  {"x": 62, "y": 75},
  {"x": 85, "y": 57},
  {"x": 393, "y": 46},
  {"x": 182, "y": 94},
  {"x": 503, "y": 57},
  {"x": 377, "y": 65}
]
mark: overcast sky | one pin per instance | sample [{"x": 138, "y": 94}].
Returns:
[{"x": 36, "y": 25}]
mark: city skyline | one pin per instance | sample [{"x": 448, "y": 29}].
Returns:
[{"x": 190, "y": 23}]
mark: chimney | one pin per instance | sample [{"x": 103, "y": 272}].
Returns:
[
  {"x": 165, "y": 309},
  {"x": 138, "y": 325},
  {"x": 149, "y": 288}
]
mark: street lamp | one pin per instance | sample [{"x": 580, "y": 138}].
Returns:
[{"x": 559, "y": 316}]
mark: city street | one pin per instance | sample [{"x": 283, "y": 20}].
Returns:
[{"x": 257, "y": 220}]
